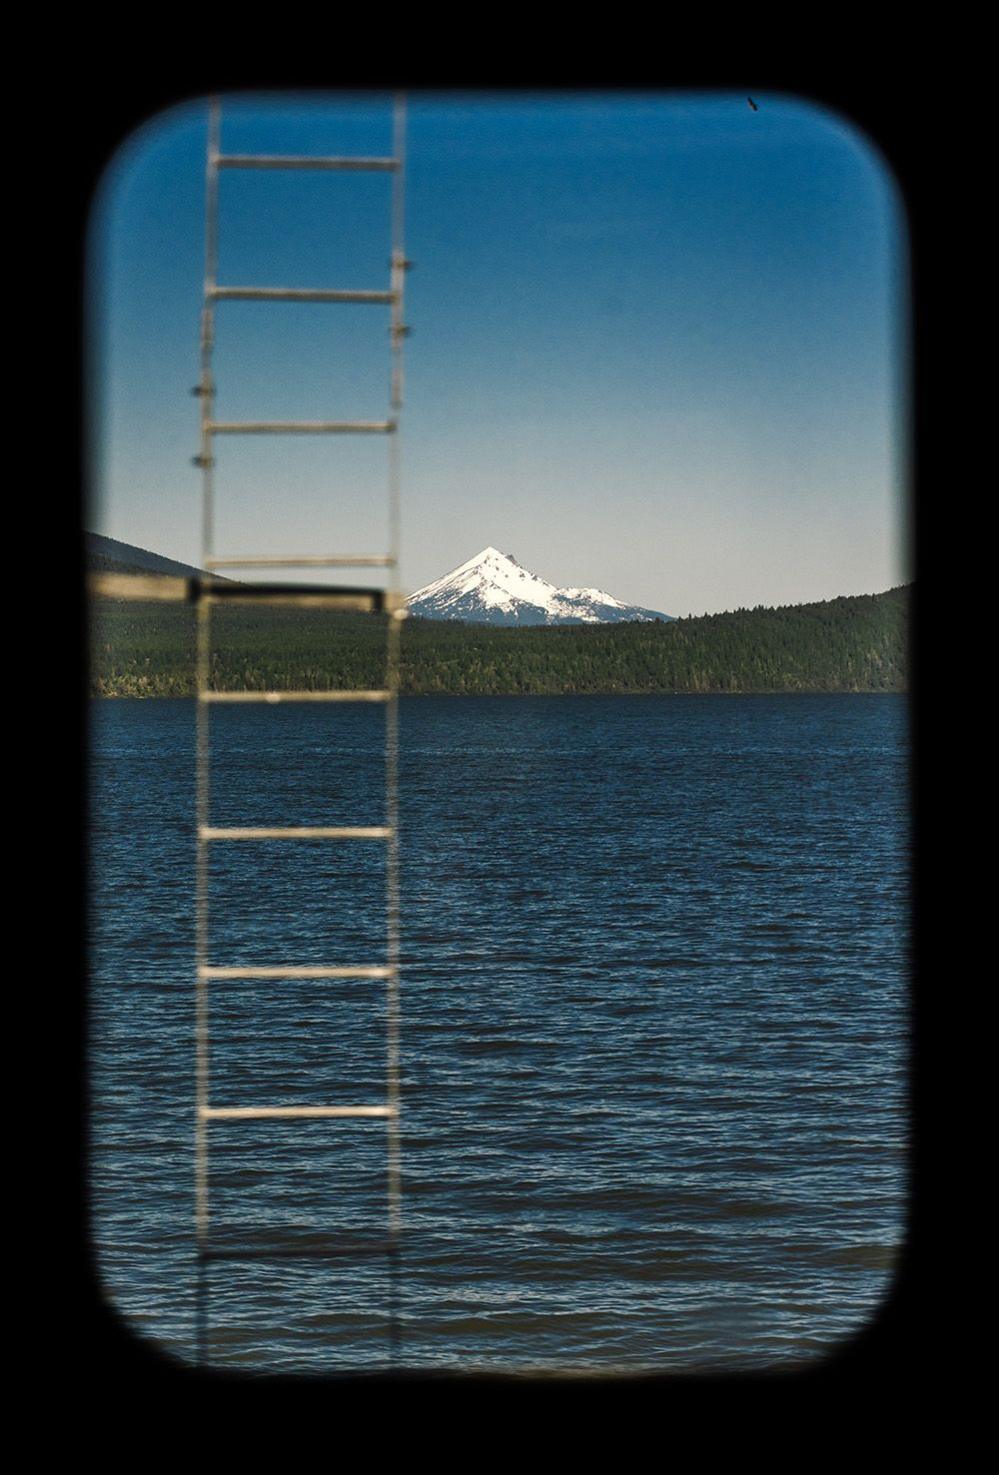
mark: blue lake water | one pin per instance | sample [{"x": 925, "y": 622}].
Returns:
[{"x": 654, "y": 1028}]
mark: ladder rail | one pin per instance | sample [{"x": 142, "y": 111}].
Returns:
[
  {"x": 399, "y": 267},
  {"x": 206, "y": 401}
]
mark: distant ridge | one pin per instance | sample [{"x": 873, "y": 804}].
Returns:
[{"x": 108, "y": 556}]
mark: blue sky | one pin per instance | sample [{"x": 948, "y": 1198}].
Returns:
[{"x": 658, "y": 342}]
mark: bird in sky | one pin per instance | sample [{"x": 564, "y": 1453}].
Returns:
[{"x": 752, "y": 105}]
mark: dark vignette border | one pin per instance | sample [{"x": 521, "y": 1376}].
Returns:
[{"x": 887, "y": 101}]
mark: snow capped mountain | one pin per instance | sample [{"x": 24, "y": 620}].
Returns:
[{"x": 493, "y": 589}]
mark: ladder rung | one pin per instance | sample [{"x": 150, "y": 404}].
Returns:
[
  {"x": 301, "y": 161},
  {"x": 316, "y": 1249},
  {"x": 140, "y": 586},
  {"x": 307, "y": 560},
  {"x": 300, "y": 427},
  {"x": 360, "y": 971},
  {"x": 296, "y": 294},
  {"x": 314, "y": 832},
  {"x": 252, "y": 1113},
  {"x": 294, "y": 696},
  {"x": 342, "y": 597}
]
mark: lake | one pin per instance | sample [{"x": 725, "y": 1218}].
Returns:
[{"x": 655, "y": 973}]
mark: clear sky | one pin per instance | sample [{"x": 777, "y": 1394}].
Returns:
[{"x": 658, "y": 342}]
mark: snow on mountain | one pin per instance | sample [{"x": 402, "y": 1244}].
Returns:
[{"x": 493, "y": 589}]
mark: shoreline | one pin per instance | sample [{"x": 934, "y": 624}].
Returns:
[{"x": 840, "y": 691}]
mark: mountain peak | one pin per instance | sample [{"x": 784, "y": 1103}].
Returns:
[
  {"x": 494, "y": 589},
  {"x": 491, "y": 555}
]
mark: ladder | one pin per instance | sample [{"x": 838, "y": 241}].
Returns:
[{"x": 211, "y": 592}]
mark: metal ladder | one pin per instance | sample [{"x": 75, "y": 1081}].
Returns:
[{"x": 211, "y": 592}]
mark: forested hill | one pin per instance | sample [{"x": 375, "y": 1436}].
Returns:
[
  {"x": 107, "y": 555},
  {"x": 849, "y": 644},
  {"x": 857, "y": 643}
]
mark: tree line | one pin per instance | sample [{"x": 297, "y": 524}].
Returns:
[{"x": 855, "y": 643}]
